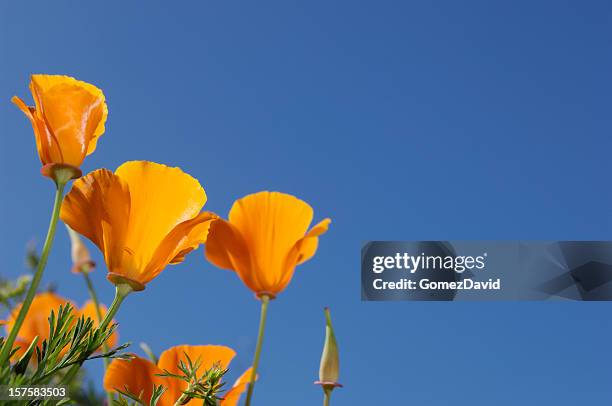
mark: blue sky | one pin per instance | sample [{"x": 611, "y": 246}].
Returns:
[{"x": 399, "y": 120}]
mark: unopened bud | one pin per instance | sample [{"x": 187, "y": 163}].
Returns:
[
  {"x": 81, "y": 260},
  {"x": 329, "y": 370}
]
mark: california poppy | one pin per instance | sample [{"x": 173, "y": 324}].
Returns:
[
  {"x": 142, "y": 217},
  {"x": 68, "y": 117},
  {"x": 264, "y": 239},
  {"x": 137, "y": 376},
  {"x": 36, "y": 323}
]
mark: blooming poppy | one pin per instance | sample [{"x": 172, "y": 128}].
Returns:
[
  {"x": 142, "y": 217},
  {"x": 68, "y": 117},
  {"x": 36, "y": 323},
  {"x": 138, "y": 375},
  {"x": 264, "y": 239}
]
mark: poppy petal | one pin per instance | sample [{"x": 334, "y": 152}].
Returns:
[
  {"x": 86, "y": 210},
  {"x": 232, "y": 397},
  {"x": 206, "y": 355},
  {"x": 72, "y": 112},
  {"x": 36, "y": 323},
  {"x": 183, "y": 239},
  {"x": 271, "y": 223},
  {"x": 307, "y": 246},
  {"x": 138, "y": 376},
  {"x": 161, "y": 197},
  {"x": 226, "y": 248}
]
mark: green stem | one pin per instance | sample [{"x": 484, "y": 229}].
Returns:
[
  {"x": 121, "y": 292},
  {"x": 94, "y": 299},
  {"x": 262, "y": 326},
  {"x": 8, "y": 344},
  {"x": 326, "y": 396},
  {"x": 181, "y": 400}
]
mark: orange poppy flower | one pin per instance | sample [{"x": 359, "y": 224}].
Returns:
[
  {"x": 36, "y": 323},
  {"x": 68, "y": 117},
  {"x": 264, "y": 240},
  {"x": 142, "y": 217},
  {"x": 138, "y": 375}
]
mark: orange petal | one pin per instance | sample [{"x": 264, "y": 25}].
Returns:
[
  {"x": 22, "y": 106},
  {"x": 232, "y": 397},
  {"x": 183, "y": 239},
  {"x": 303, "y": 250},
  {"x": 89, "y": 310},
  {"x": 98, "y": 207},
  {"x": 307, "y": 246},
  {"x": 226, "y": 249},
  {"x": 72, "y": 112},
  {"x": 46, "y": 82},
  {"x": 36, "y": 323},
  {"x": 271, "y": 223},
  {"x": 161, "y": 198},
  {"x": 138, "y": 376},
  {"x": 207, "y": 355},
  {"x": 40, "y": 131}
]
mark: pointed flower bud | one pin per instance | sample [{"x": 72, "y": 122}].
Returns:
[
  {"x": 329, "y": 370},
  {"x": 81, "y": 260}
]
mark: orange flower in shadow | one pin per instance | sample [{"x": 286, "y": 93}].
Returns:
[
  {"x": 137, "y": 376},
  {"x": 68, "y": 117},
  {"x": 142, "y": 217},
  {"x": 36, "y": 323},
  {"x": 264, "y": 239}
]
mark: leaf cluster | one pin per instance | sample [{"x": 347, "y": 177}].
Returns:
[
  {"x": 72, "y": 340},
  {"x": 12, "y": 292}
]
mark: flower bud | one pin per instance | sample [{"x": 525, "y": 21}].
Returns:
[
  {"x": 81, "y": 260},
  {"x": 329, "y": 369}
]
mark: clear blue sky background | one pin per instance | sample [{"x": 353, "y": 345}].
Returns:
[{"x": 400, "y": 120}]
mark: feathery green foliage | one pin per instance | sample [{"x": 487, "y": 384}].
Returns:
[{"x": 72, "y": 340}]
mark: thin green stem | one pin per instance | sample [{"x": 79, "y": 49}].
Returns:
[
  {"x": 94, "y": 299},
  {"x": 262, "y": 326},
  {"x": 326, "y": 396},
  {"x": 181, "y": 400},
  {"x": 8, "y": 344},
  {"x": 121, "y": 292},
  {"x": 94, "y": 296}
]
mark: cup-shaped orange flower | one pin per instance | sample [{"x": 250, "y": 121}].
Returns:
[
  {"x": 68, "y": 117},
  {"x": 142, "y": 217},
  {"x": 264, "y": 239},
  {"x": 36, "y": 323},
  {"x": 137, "y": 376}
]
